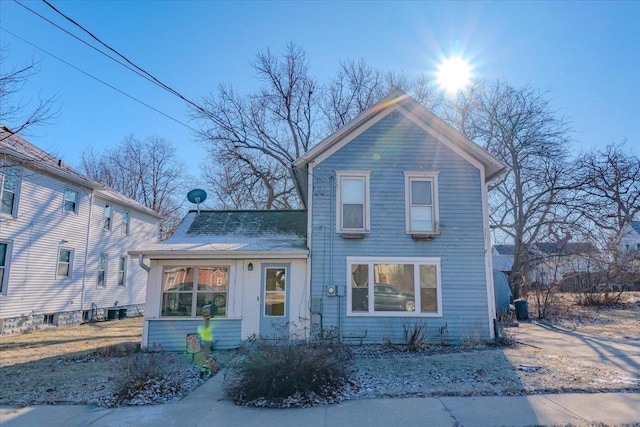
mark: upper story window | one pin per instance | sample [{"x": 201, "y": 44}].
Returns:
[
  {"x": 102, "y": 270},
  {"x": 394, "y": 287},
  {"x": 122, "y": 269},
  {"x": 65, "y": 262},
  {"x": 5, "y": 255},
  {"x": 71, "y": 201},
  {"x": 125, "y": 223},
  {"x": 107, "y": 217},
  {"x": 9, "y": 189},
  {"x": 421, "y": 202},
  {"x": 353, "y": 202}
]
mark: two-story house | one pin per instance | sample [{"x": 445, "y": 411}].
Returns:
[
  {"x": 395, "y": 231},
  {"x": 63, "y": 242},
  {"x": 630, "y": 237}
]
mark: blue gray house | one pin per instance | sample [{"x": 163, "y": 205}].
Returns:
[{"x": 395, "y": 232}]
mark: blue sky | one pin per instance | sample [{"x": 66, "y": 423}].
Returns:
[{"x": 587, "y": 54}]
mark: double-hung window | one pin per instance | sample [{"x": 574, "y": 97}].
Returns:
[
  {"x": 9, "y": 189},
  {"x": 65, "y": 262},
  {"x": 5, "y": 261},
  {"x": 102, "y": 270},
  {"x": 352, "y": 202},
  {"x": 70, "y": 201},
  {"x": 421, "y": 202},
  {"x": 125, "y": 223},
  {"x": 122, "y": 270},
  {"x": 180, "y": 297},
  {"x": 394, "y": 287},
  {"x": 106, "y": 225}
]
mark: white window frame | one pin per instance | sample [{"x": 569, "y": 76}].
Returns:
[
  {"x": 4, "y": 170},
  {"x": 103, "y": 262},
  {"x": 122, "y": 271},
  {"x": 365, "y": 177},
  {"x": 108, "y": 217},
  {"x": 75, "y": 202},
  {"x": 4, "y": 281},
  {"x": 417, "y": 262},
  {"x": 432, "y": 177},
  {"x": 125, "y": 227},
  {"x": 194, "y": 291},
  {"x": 70, "y": 263}
]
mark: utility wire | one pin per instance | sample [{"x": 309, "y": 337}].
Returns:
[
  {"x": 160, "y": 83},
  {"x": 99, "y": 80},
  {"x": 85, "y": 42}
]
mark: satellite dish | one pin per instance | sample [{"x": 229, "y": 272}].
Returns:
[{"x": 197, "y": 196}]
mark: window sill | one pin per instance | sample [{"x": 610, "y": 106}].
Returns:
[
  {"x": 352, "y": 236},
  {"x": 423, "y": 235},
  {"x": 394, "y": 314}
]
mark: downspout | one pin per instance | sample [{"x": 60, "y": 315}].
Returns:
[
  {"x": 86, "y": 250},
  {"x": 144, "y": 266}
]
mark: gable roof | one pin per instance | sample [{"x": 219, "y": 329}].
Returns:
[
  {"x": 398, "y": 100},
  {"x": 505, "y": 249},
  {"x": 28, "y": 155},
  {"x": 635, "y": 225},
  {"x": 234, "y": 234},
  {"x": 562, "y": 248}
]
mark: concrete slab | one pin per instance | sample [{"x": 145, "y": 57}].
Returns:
[{"x": 51, "y": 415}]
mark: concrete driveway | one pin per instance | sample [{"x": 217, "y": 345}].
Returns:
[{"x": 614, "y": 352}]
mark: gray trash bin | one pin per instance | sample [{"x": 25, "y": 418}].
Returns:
[
  {"x": 112, "y": 313},
  {"x": 522, "y": 309}
]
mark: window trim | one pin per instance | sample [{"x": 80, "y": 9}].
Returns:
[
  {"x": 417, "y": 262},
  {"x": 365, "y": 176},
  {"x": 409, "y": 177},
  {"x": 76, "y": 203},
  {"x": 69, "y": 274},
  {"x": 16, "y": 192},
  {"x": 4, "y": 282}
]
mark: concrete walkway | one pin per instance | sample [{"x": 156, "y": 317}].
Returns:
[
  {"x": 207, "y": 407},
  {"x": 613, "y": 352}
]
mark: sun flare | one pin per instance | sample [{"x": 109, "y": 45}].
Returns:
[{"x": 453, "y": 74}]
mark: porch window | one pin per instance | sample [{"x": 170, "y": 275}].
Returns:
[
  {"x": 421, "y": 202},
  {"x": 394, "y": 286},
  {"x": 181, "y": 298},
  {"x": 353, "y": 202}
]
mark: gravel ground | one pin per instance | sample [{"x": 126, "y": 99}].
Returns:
[{"x": 90, "y": 364}]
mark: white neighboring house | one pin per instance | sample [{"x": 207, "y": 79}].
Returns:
[
  {"x": 64, "y": 240},
  {"x": 630, "y": 237}
]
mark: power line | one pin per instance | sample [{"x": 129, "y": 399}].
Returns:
[
  {"x": 101, "y": 81},
  {"x": 83, "y": 41}
]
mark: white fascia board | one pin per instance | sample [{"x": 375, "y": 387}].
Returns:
[
  {"x": 191, "y": 254},
  {"x": 125, "y": 201}
]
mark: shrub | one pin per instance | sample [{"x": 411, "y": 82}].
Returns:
[
  {"x": 155, "y": 377},
  {"x": 415, "y": 336},
  {"x": 277, "y": 371}
]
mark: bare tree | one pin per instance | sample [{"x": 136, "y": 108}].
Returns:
[
  {"x": 17, "y": 115},
  {"x": 146, "y": 171},
  {"x": 519, "y": 127},
  {"x": 607, "y": 185}
]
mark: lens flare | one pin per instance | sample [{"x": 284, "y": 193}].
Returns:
[{"x": 453, "y": 74}]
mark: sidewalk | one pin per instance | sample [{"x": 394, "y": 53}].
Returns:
[{"x": 207, "y": 406}]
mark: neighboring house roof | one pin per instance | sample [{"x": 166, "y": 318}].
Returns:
[
  {"x": 560, "y": 248},
  {"x": 33, "y": 157},
  {"x": 403, "y": 102},
  {"x": 238, "y": 234},
  {"x": 502, "y": 262},
  {"x": 636, "y": 226},
  {"x": 505, "y": 249}
]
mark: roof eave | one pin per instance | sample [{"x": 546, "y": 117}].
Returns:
[{"x": 211, "y": 254}]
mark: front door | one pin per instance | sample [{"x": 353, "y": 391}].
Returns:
[{"x": 274, "y": 316}]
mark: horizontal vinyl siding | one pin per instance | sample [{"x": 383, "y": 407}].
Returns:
[
  {"x": 172, "y": 334},
  {"x": 387, "y": 149},
  {"x": 37, "y": 233}
]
